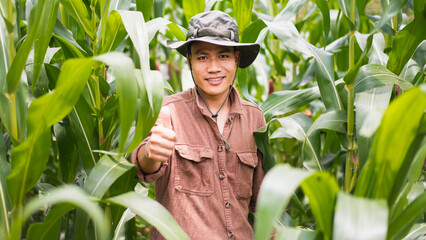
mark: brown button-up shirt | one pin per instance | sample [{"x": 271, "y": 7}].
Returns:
[{"x": 208, "y": 189}]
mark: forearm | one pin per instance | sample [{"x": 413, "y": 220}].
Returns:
[{"x": 146, "y": 164}]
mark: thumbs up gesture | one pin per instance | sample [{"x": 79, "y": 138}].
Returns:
[{"x": 161, "y": 144}]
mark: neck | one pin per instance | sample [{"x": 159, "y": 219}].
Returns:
[{"x": 215, "y": 103}]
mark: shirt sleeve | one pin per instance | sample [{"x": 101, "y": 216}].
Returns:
[
  {"x": 147, "y": 177},
  {"x": 258, "y": 175}
]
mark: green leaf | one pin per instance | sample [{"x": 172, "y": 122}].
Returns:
[
  {"x": 71, "y": 195},
  {"x": 103, "y": 175},
  {"x": 261, "y": 136},
  {"x": 252, "y": 32},
  {"x": 136, "y": 28},
  {"x": 321, "y": 189},
  {"x": 335, "y": 121},
  {"x": 416, "y": 232},
  {"x": 373, "y": 75},
  {"x": 145, "y": 6},
  {"x": 123, "y": 70},
  {"x": 370, "y": 107},
  {"x": 391, "y": 144},
  {"x": 4, "y": 54},
  {"x": 351, "y": 75},
  {"x": 113, "y": 34},
  {"x": 323, "y": 6},
  {"x": 43, "y": 36},
  {"x": 152, "y": 212},
  {"x": 287, "y": 33},
  {"x": 79, "y": 12},
  {"x": 192, "y": 7},
  {"x": 66, "y": 39},
  {"x": 274, "y": 197},
  {"x": 345, "y": 7},
  {"x": 389, "y": 12},
  {"x": 290, "y": 10},
  {"x": 288, "y": 233},
  {"x": 67, "y": 152},
  {"x": 376, "y": 54},
  {"x": 286, "y": 101},
  {"x": 402, "y": 223},
  {"x": 408, "y": 39},
  {"x": 50, "y": 228},
  {"x": 5, "y": 206},
  {"x": 358, "y": 218},
  {"x": 242, "y": 13},
  {"x": 83, "y": 126},
  {"x": 147, "y": 115},
  {"x": 18, "y": 64},
  {"x": 30, "y": 157},
  {"x": 297, "y": 126}
]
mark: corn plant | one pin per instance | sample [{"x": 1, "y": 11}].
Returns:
[{"x": 79, "y": 92}]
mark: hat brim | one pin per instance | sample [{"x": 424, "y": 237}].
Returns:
[{"x": 248, "y": 51}]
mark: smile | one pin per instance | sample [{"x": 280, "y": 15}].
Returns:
[{"x": 215, "y": 79}]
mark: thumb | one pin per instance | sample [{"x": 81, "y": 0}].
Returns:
[{"x": 165, "y": 117}]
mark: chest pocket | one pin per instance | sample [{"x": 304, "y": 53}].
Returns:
[
  {"x": 245, "y": 170},
  {"x": 194, "y": 170}
]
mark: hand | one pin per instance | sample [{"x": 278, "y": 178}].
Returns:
[{"x": 163, "y": 138}]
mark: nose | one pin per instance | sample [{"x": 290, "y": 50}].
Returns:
[{"x": 214, "y": 65}]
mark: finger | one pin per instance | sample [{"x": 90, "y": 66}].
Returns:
[{"x": 166, "y": 117}]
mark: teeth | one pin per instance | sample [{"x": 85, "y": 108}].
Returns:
[{"x": 214, "y": 79}]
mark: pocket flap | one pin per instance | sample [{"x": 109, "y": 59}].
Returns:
[
  {"x": 248, "y": 158},
  {"x": 194, "y": 153}
]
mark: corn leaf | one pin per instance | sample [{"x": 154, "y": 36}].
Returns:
[
  {"x": 391, "y": 144},
  {"x": 5, "y": 206},
  {"x": 50, "y": 228},
  {"x": 290, "y": 10},
  {"x": 123, "y": 70},
  {"x": 192, "y": 7},
  {"x": 287, "y": 33},
  {"x": 274, "y": 197},
  {"x": 370, "y": 107},
  {"x": 113, "y": 34},
  {"x": 289, "y": 233},
  {"x": 103, "y": 175},
  {"x": 70, "y": 195},
  {"x": 79, "y": 12},
  {"x": 4, "y": 54},
  {"x": 18, "y": 64},
  {"x": 44, "y": 34},
  {"x": 30, "y": 157},
  {"x": 242, "y": 13},
  {"x": 389, "y": 12},
  {"x": 373, "y": 75},
  {"x": 358, "y": 218},
  {"x": 376, "y": 54},
  {"x": 321, "y": 189},
  {"x": 152, "y": 212},
  {"x": 408, "y": 39},
  {"x": 286, "y": 101}
]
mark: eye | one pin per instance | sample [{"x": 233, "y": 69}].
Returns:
[
  {"x": 224, "y": 56},
  {"x": 201, "y": 58}
]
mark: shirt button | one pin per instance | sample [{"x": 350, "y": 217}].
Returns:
[
  {"x": 230, "y": 119},
  {"x": 227, "y": 204},
  {"x": 219, "y": 148},
  {"x": 230, "y": 234},
  {"x": 222, "y": 176}
]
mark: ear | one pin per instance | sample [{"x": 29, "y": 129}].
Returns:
[{"x": 237, "y": 56}]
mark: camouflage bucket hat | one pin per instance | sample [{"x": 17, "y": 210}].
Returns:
[{"x": 217, "y": 28}]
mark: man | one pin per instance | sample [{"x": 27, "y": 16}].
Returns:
[{"x": 202, "y": 154}]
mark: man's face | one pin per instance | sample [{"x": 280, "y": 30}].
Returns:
[{"x": 213, "y": 67}]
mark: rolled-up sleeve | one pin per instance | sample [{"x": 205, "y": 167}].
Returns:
[{"x": 147, "y": 177}]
